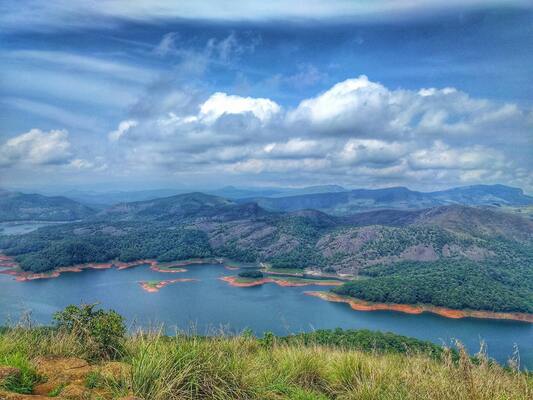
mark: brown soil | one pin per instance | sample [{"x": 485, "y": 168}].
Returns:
[{"x": 361, "y": 305}]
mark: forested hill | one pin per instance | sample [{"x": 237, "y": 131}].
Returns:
[
  {"x": 354, "y": 201},
  {"x": 445, "y": 249},
  {"x": 173, "y": 207},
  {"x": 15, "y": 206}
]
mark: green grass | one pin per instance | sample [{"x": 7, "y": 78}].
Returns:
[
  {"x": 269, "y": 269},
  {"x": 297, "y": 279},
  {"x": 243, "y": 367},
  {"x": 152, "y": 284},
  {"x": 94, "y": 380},
  {"x": 28, "y": 377},
  {"x": 56, "y": 391}
]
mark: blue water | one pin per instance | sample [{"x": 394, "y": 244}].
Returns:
[
  {"x": 21, "y": 227},
  {"x": 210, "y": 305}
]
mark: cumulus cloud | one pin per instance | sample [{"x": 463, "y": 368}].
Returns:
[
  {"x": 442, "y": 156},
  {"x": 360, "y": 107},
  {"x": 36, "y": 148},
  {"x": 221, "y": 103},
  {"x": 357, "y": 132}
]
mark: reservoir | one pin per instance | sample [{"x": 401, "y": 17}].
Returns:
[{"x": 207, "y": 305}]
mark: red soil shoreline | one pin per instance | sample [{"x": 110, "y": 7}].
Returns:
[
  {"x": 361, "y": 305},
  {"x": 146, "y": 286},
  {"x": 232, "y": 280}
]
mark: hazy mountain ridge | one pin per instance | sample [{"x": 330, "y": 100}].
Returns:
[
  {"x": 16, "y": 206},
  {"x": 359, "y": 200}
]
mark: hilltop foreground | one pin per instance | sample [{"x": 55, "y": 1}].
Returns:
[{"x": 88, "y": 356}]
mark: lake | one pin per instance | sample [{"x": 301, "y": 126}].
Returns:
[
  {"x": 209, "y": 305},
  {"x": 21, "y": 227}
]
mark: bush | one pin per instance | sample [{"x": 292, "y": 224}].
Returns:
[
  {"x": 102, "y": 332},
  {"x": 255, "y": 274}
]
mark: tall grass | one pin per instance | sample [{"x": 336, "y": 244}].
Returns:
[{"x": 191, "y": 367}]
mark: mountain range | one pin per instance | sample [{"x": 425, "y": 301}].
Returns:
[
  {"x": 354, "y": 201},
  {"x": 331, "y": 199}
]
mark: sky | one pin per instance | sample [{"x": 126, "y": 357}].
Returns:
[{"x": 202, "y": 94}]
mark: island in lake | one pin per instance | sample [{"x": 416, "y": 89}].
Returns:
[{"x": 155, "y": 286}]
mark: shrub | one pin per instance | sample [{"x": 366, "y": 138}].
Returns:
[
  {"x": 255, "y": 274},
  {"x": 102, "y": 332}
]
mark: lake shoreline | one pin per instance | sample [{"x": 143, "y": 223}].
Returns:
[
  {"x": 361, "y": 305},
  {"x": 12, "y": 268},
  {"x": 233, "y": 281}
]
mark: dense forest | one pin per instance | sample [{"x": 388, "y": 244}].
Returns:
[
  {"x": 366, "y": 340},
  {"x": 455, "y": 284},
  {"x": 54, "y": 247},
  {"x": 252, "y": 274}
]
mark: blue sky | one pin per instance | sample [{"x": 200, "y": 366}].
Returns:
[{"x": 108, "y": 95}]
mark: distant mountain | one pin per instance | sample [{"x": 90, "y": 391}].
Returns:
[
  {"x": 495, "y": 195},
  {"x": 106, "y": 199},
  {"x": 178, "y": 206},
  {"x": 401, "y": 198},
  {"x": 232, "y": 192},
  {"x": 101, "y": 200},
  {"x": 15, "y": 206}
]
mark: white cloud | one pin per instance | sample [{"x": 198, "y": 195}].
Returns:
[
  {"x": 167, "y": 44},
  {"x": 442, "y": 156},
  {"x": 357, "y": 151},
  {"x": 123, "y": 128},
  {"x": 362, "y": 108},
  {"x": 83, "y": 63},
  {"x": 221, "y": 103},
  {"x": 358, "y": 132},
  {"x": 82, "y": 164},
  {"x": 36, "y": 148},
  {"x": 64, "y": 14},
  {"x": 297, "y": 148}
]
